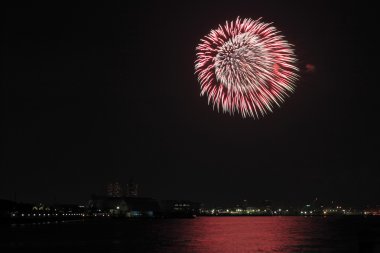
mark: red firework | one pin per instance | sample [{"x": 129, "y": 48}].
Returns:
[{"x": 246, "y": 67}]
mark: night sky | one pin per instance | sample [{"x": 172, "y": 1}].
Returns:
[{"x": 94, "y": 93}]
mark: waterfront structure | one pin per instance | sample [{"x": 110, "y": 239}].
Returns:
[
  {"x": 179, "y": 208},
  {"x": 125, "y": 206}
]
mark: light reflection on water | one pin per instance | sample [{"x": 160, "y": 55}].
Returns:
[
  {"x": 200, "y": 235},
  {"x": 245, "y": 234}
]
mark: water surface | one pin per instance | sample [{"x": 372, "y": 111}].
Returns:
[{"x": 200, "y": 235}]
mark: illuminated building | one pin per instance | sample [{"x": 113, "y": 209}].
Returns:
[
  {"x": 179, "y": 208},
  {"x": 125, "y": 206}
]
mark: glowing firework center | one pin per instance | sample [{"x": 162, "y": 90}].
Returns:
[
  {"x": 238, "y": 53},
  {"x": 245, "y": 67}
]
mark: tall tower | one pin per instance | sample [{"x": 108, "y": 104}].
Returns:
[
  {"x": 114, "y": 190},
  {"x": 132, "y": 188}
]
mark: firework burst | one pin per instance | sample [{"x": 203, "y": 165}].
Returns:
[{"x": 246, "y": 67}]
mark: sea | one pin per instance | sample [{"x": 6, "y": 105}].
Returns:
[{"x": 199, "y": 235}]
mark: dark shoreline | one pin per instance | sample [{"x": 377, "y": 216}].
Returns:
[{"x": 48, "y": 220}]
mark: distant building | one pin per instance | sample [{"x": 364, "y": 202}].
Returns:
[
  {"x": 372, "y": 210},
  {"x": 132, "y": 189},
  {"x": 267, "y": 206},
  {"x": 179, "y": 208},
  {"x": 244, "y": 204},
  {"x": 114, "y": 190},
  {"x": 125, "y": 206}
]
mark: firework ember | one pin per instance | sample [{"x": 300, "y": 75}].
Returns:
[{"x": 245, "y": 67}]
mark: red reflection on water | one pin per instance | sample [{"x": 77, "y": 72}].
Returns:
[{"x": 247, "y": 234}]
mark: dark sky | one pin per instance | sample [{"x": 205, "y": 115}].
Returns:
[{"x": 94, "y": 94}]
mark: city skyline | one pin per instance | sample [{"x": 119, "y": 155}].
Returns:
[{"x": 115, "y": 189}]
